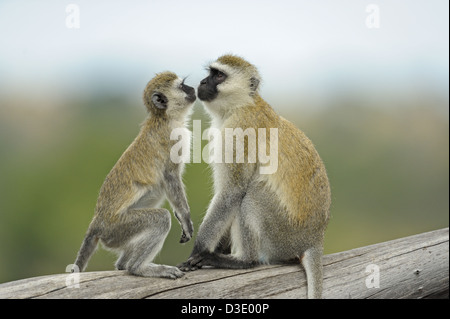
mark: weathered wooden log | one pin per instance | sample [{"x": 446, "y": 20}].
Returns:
[{"x": 410, "y": 267}]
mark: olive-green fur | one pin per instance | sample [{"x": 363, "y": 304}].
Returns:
[{"x": 234, "y": 61}]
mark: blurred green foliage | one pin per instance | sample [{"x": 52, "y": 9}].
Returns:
[{"x": 388, "y": 167}]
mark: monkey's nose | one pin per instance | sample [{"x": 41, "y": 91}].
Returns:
[{"x": 187, "y": 89}]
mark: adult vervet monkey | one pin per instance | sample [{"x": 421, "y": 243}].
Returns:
[{"x": 270, "y": 218}]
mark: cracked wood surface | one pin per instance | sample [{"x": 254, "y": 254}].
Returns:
[{"x": 410, "y": 267}]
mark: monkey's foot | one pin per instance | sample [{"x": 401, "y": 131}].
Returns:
[
  {"x": 193, "y": 263},
  {"x": 161, "y": 271},
  {"x": 187, "y": 266},
  {"x": 172, "y": 273}
]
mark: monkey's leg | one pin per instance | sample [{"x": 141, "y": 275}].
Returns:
[
  {"x": 244, "y": 245},
  {"x": 147, "y": 244},
  {"x": 121, "y": 263},
  {"x": 312, "y": 262},
  {"x": 221, "y": 212},
  {"x": 224, "y": 245},
  {"x": 150, "y": 228}
]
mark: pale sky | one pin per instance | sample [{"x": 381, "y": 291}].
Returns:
[{"x": 298, "y": 46}]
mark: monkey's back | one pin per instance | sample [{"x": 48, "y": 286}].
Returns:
[
  {"x": 300, "y": 181},
  {"x": 137, "y": 171}
]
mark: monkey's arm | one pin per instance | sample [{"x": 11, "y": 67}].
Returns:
[
  {"x": 221, "y": 212},
  {"x": 177, "y": 197}
]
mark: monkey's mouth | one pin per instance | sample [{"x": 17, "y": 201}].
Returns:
[
  {"x": 205, "y": 94},
  {"x": 191, "y": 97},
  {"x": 190, "y": 92}
]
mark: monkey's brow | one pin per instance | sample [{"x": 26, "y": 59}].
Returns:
[
  {"x": 213, "y": 70},
  {"x": 209, "y": 68}
]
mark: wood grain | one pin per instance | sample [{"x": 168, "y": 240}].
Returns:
[{"x": 410, "y": 267}]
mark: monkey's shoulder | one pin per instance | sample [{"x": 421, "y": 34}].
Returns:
[
  {"x": 293, "y": 132},
  {"x": 256, "y": 115}
]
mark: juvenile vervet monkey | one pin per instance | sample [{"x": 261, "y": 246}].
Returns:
[
  {"x": 126, "y": 218},
  {"x": 270, "y": 218}
]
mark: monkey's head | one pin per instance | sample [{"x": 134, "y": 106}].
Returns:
[
  {"x": 166, "y": 95},
  {"x": 231, "y": 81}
]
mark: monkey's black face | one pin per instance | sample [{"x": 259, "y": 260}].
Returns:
[
  {"x": 190, "y": 91},
  {"x": 207, "y": 90}
]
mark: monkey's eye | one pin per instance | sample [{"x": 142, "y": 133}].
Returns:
[{"x": 220, "y": 75}]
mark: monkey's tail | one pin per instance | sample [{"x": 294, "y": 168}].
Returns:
[{"x": 88, "y": 247}]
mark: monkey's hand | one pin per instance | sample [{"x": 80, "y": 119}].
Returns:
[{"x": 187, "y": 231}]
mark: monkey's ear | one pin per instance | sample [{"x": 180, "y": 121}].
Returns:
[
  {"x": 160, "y": 101},
  {"x": 254, "y": 83}
]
